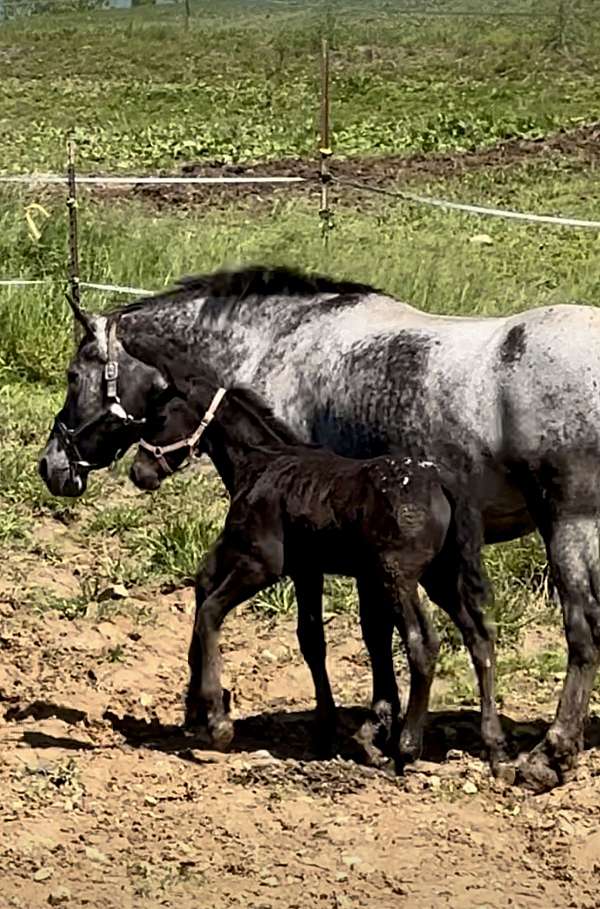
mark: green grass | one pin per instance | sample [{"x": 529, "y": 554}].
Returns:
[
  {"x": 142, "y": 94},
  {"x": 420, "y": 254},
  {"x": 242, "y": 84}
]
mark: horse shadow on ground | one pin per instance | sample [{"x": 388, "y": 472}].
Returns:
[{"x": 285, "y": 734}]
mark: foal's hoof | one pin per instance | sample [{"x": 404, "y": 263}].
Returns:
[
  {"x": 504, "y": 772},
  {"x": 367, "y": 752},
  {"x": 221, "y": 733},
  {"x": 195, "y": 716}
]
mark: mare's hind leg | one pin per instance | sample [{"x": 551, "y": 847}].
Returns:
[
  {"x": 311, "y": 637},
  {"x": 377, "y": 623},
  {"x": 443, "y": 585},
  {"x": 573, "y": 553}
]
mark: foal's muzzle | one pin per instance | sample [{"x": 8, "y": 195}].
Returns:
[{"x": 143, "y": 477}]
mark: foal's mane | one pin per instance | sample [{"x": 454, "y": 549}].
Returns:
[{"x": 238, "y": 284}]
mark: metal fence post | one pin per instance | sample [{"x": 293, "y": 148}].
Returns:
[
  {"x": 73, "y": 226},
  {"x": 325, "y": 147}
]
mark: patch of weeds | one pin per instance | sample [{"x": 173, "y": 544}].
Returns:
[
  {"x": 338, "y": 596},
  {"x": 14, "y": 527},
  {"x": 116, "y": 654},
  {"x": 276, "y": 600},
  {"x": 128, "y": 570},
  {"x": 117, "y": 520},
  {"x": 518, "y": 593},
  {"x": 182, "y": 522},
  {"x": 41, "y": 601},
  {"x": 42, "y": 785},
  {"x": 176, "y": 549},
  {"x": 547, "y": 665}
]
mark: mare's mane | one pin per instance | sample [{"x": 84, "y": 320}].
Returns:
[{"x": 237, "y": 285}]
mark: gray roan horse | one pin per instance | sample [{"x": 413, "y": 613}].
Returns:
[{"x": 516, "y": 398}]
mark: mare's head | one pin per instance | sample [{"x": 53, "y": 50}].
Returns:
[{"x": 108, "y": 394}]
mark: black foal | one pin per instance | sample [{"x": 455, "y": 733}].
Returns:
[{"x": 303, "y": 511}]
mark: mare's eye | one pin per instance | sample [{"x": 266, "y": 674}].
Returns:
[{"x": 72, "y": 377}]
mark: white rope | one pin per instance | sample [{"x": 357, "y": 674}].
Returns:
[
  {"x": 117, "y": 288},
  {"x": 139, "y": 291},
  {"x": 20, "y": 282},
  {"x": 472, "y": 209},
  {"x": 49, "y": 179}
]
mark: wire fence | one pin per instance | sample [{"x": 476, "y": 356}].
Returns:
[
  {"x": 324, "y": 178},
  {"x": 330, "y": 177}
]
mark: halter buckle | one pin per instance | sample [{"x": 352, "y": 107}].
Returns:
[{"x": 111, "y": 371}]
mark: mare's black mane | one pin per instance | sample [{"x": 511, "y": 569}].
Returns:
[{"x": 253, "y": 280}]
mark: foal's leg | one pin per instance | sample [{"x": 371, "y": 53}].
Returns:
[
  {"x": 377, "y": 623},
  {"x": 242, "y": 582},
  {"x": 574, "y": 555},
  {"x": 227, "y": 578},
  {"x": 441, "y": 581},
  {"x": 311, "y": 637},
  {"x": 422, "y": 645}
]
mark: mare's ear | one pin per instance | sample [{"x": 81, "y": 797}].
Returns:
[{"x": 81, "y": 317}]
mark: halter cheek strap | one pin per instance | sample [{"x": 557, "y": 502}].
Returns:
[
  {"x": 69, "y": 437},
  {"x": 190, "y": 443}
]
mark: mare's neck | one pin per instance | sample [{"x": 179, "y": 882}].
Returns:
[{"x": 191, "y": 332}]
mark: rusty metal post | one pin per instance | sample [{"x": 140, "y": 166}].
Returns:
[
  {"x": 74, "y": 285},
  {"x": 325, "y": 144}
]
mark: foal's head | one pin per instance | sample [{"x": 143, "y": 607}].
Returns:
[
  {"x": 175, "y": 430},
  {"x": 204, "y": 417}
]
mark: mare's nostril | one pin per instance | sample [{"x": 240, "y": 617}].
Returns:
[{"x": 43, "y": 469}]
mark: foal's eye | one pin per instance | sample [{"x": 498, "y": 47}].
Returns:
[{"x": 72, "y": 377}]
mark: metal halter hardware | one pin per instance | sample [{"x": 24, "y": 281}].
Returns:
[
  {"x": 68, "y": 437},
  {"x": 159, "y": 451}
]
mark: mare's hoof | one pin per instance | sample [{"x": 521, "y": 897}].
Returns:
[
  {"x": 221, "y": 733},
  {"x": 535, "y": 772}
]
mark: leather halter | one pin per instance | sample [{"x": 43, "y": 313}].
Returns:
[
  {"x": 190, "y": 443},
  {"x": 69, "y": 437}
]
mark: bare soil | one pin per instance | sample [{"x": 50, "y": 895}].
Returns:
[
  {"x": 580, "y": 146},
  {"x": 107, "y": 803}
]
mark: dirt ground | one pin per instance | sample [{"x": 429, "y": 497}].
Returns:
[{"x": 106, "y": 803}]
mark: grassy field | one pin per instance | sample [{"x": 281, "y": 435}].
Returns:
[
  {"x": 242, "y": 83},
  {"x": 244, "y": 87}
]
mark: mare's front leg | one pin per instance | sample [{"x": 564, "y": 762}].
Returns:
[
  {"x": 311, "y": 637},
  {"x": 572, "y": 545},
  {"x": 229, "y": 578},
  {"x": 377, "y": 623}
]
